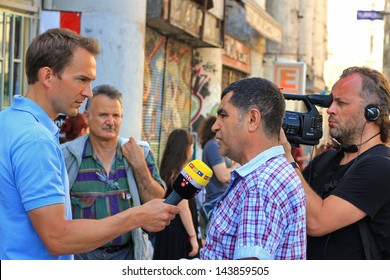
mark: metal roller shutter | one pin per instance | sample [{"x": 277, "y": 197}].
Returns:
[
  {"x": 153, "y": 88},
  {"x": 167, "y": 89},
  {"x": 230, "y": 75}
]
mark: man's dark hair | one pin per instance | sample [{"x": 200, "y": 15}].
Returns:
[
  {"x": 54, "y": 48},
  {"x": 107, "y": 90},
  {"x": 375, "y": 90},
  {"x": 263, "y": 95}
]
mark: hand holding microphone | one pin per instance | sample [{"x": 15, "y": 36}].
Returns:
[{"x": 191, "y": 180}]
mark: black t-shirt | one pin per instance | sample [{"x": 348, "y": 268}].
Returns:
[{"x": 364, "y": 182}]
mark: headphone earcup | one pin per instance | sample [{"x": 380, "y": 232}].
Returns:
[{"x": 371, "y": 112}]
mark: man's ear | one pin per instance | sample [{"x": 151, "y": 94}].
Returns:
[
  {"x": 45, "y": 74},
  {"x": 85, "y": 116},
  {"x": 254, "y": 119}
]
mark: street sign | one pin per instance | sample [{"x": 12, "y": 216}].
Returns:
[
  {"x": 290, "y": 77},
  {"x": 370, "y": 15}
]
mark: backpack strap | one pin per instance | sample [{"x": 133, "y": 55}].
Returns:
[
  {"x": 363, "y": 229},
  {"x": 370, "y": 252}
]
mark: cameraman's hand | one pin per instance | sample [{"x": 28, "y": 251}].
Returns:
[{"x": 286, "y": 145}]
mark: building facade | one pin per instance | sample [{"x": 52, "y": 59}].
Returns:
[
  {"x": 172, "y": 58},
  {"x": 386, "y": 41}
]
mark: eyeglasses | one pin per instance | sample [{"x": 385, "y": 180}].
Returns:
[{"x": 111, "y": 183}]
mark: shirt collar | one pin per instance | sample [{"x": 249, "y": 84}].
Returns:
[
  {"x": 88, "y": 150},
  {"x": 24, "y": 104},
  {"x": 259, "y": 160}
]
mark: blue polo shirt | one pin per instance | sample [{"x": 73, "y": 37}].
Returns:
[{"x": 32, "y": 175}]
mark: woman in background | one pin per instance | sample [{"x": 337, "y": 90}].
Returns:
[
  {"x": 73, "y": 127},
  {"x": 179, "y": 239}
]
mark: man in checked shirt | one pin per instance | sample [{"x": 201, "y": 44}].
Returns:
[{"x": 262, "y": 213}]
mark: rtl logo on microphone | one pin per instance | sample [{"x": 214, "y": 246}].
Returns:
[
  {"x": 198, "y": 172},
  {"x": 187, "y": 177}
]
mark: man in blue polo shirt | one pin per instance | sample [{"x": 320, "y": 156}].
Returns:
[{"x": 34, "y": 194}]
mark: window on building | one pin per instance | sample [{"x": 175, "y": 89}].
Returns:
[
  {"x": 230, "y": 75},
  {"x": 16, "y": 31}
]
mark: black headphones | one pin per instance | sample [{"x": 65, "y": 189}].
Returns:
[{"x": 371, "y": 112}]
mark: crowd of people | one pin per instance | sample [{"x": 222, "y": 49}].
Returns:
[
  {"x": 98, "y": 195},
  {"x": 35, "y": 197}
]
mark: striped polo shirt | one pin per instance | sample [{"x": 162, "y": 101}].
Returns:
[{"x": 96, "y": 194}]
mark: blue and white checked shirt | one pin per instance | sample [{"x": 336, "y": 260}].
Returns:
[{"x": 261, "y": 214}]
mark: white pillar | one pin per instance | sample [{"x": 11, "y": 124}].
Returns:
[
  {"x": 211, "y": 67},
  {"x": 120, "y": 28}
]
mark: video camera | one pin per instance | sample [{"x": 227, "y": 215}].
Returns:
[{"x": 305, "y": 128}]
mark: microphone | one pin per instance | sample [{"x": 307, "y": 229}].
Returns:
[
  {"x": 191, "y": 180},
  {"x": 353, "y": 148}
]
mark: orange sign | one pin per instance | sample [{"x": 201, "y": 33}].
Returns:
[{"x": 290, "y": 77}]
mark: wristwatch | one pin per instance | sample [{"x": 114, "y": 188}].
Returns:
[{"x": 295, "y": 165}]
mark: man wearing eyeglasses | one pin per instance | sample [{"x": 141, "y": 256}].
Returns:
[{"x": 109, "y": 174}]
